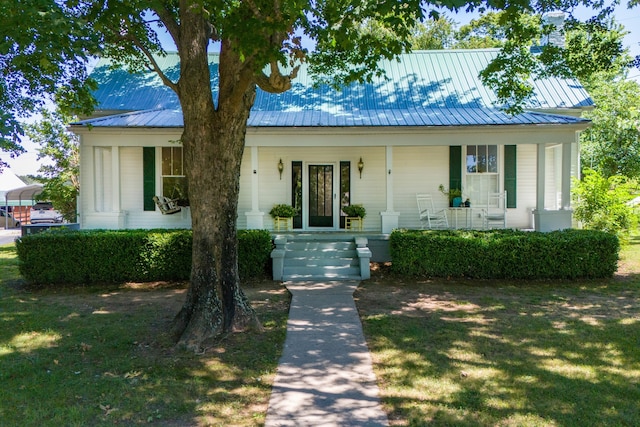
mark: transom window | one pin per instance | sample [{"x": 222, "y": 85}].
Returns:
[
  {"x": 482, "y": 173},
  {"x": 174, "y": 182}
]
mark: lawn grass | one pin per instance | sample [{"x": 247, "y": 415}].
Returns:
[
  {"x": 499, "y": 353},
  {"x": 100, "y": 356},
  {"x": 462, "y": 353}
]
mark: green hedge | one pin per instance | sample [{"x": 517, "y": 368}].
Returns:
[
  {"x": 99, "y": 256},
  {"x": 504, "y": 254}
]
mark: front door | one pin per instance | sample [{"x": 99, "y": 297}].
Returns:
[{"x": 321, "y": 196}]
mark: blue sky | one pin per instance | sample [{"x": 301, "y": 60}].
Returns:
[{"x": 630, "y": 18}]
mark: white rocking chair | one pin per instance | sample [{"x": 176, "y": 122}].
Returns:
[
  {"x": 495, "y": 214},
  {"x": 428, "y": 215},
  {"x": 166, "y": 205}
]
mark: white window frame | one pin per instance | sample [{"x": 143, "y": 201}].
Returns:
[
  {"x": 480, "y": 198},
  {"x": 172, "y": 167}
]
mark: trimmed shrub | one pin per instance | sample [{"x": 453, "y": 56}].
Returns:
[
  {"x": 254, "y": 253},
  {"x": 102, "y": 256},
  {"x": 504, "y": 254}
]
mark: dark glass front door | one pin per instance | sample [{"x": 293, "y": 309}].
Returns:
[{"x": 320, "y": 196}]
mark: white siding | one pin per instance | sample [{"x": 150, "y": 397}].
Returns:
[
  {"x": 553, "y": 168},
  {"x": 244, "y": 200},
  {"x": 418, "y": 170},
  {"x": 526, "y": 187},
  {"x": 103, "y": 180},
  {"x": 131, "y": 195}
]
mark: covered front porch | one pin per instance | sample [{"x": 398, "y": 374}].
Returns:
[{"x": 385, "y": 179}]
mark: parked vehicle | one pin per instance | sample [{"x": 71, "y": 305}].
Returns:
[
  {"x": 43, "y": 212},
  {"x": 7, "y": 220}
]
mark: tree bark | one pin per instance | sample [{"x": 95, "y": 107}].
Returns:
[{"x": 213, "y": 142}]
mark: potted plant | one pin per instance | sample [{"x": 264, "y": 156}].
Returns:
[
  {"x": 283, "y": 211},
  {"x": 454, "y": 195},
  {"x": 355, "y": 215},
  {"x": 283, "y": 216},
  {"x": 355, "y": 211}
]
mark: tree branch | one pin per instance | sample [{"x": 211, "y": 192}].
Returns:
[
  {"x": 276, "y": 82},
  {"x": 167, "y": 19},
  {"x": 254, "y": 8},
  {"x": 154, "y": 64}
]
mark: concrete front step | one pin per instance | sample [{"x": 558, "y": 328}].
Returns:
[
  {"x": 332, "y": 270},
  {"x": 309, "y": 246},
  {"x": 316, "y": 278},
  {"x": 297, "y": 259},
  {"x": 322, "y": 253}
]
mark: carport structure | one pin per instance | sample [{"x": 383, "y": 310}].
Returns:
[{"x": 25, "y": 198}]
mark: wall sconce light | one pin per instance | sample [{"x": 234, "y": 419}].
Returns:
[
  {"x": 280, "y": 167},
  {"x": 360, "y": 167}
]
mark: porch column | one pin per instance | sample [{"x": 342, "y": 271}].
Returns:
[
  {"x": 389, "y": 217},
  {"x": 255, "y": 218},
  {"x": 115, "y": 178},
  {"x": 566, "y": 177},
  {"x": 540, "y": 176},
  {"x": 116, "y": 201}
]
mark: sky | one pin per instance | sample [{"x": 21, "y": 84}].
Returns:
[{"x": 27, "y": 164}]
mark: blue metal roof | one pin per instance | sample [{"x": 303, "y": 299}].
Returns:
[
  {"x": 424, "y": 88},
  {"x": 163, "y": 118}
]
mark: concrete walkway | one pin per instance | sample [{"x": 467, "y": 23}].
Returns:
[{"x": 325, "y": 377}]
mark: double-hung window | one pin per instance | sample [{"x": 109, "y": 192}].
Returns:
[
  {"x": 174, "y": 182},
  {"x": 482, "y": 173}
]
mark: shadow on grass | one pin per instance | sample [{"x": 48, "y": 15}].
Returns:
[
  {"x": 504, "y": 353},
  {"x": 102, "y": 356}
]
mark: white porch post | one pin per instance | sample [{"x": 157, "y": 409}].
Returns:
[
  {"x": 115, "y": 178},
  {"x": 115, "y": 187},
  {"x": 389, "y": 217},
  {"x": 540, "y": 177},
  {"x": 566, "y": 177},
  {"x": 98, "y": 177},
  {"x": 255, "y": 218}
]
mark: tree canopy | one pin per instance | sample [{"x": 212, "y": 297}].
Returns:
[
  {"x": 44, "y": 49},
  {"x": 612, "y": 144}
]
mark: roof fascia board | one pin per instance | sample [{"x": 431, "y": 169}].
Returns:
[
  {"x": 368, "y": 130},
  {"x": 125, "y": 130}
]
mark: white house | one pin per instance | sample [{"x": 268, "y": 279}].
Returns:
[{"x": 430, "y": 123}]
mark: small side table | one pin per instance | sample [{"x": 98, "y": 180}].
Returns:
[
  {"x": 353, "y": 223},
  {"x": 454, "y": 217},
  {"x": 282, "y": 223}
]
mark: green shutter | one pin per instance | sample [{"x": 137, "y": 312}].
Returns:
[
  {"x": 455, "y": 167},
  {"x": 510, "y": 175},
  {"x": 149, "y": 177}
]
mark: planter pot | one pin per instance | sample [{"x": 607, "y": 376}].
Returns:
[{"x": 281, "y": 223}]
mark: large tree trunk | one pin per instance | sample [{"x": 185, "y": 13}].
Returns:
[{"x": 213, "y": 141}]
